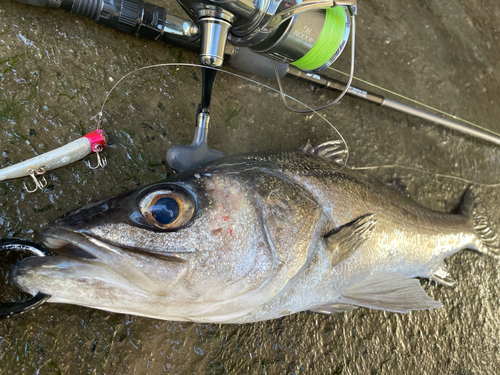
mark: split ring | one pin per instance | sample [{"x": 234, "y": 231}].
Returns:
[{"x": 10, "y": 309}]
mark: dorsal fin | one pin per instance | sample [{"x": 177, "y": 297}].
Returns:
[
  {"x": 332, "y": 150},
  {"x": 388, "y": 292},
  {"x": 349, "y": 238}
]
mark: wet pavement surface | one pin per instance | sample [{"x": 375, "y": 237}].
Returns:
[{"x": 55, "y": 70}]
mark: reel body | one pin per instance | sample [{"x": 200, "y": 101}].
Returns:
[{"x": 284, "y": 30}]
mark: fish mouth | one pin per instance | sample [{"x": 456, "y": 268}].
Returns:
[{"x": 84, "y": 256}]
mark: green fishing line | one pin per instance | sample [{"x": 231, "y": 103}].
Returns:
[{"x": 328, "y": 43}]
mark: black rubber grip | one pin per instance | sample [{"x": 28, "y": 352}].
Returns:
[
  {"x": 87, "y": 8},
  {"x": 130, "y": 17},
  {"x": 135, "y": 17}
]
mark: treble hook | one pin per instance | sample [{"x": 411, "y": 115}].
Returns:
[
  {"x": 39, "y": 183},
  {"x": 101, "y": 160}
]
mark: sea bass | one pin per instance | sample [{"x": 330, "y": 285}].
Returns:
[{"x": 254, "y": 237}]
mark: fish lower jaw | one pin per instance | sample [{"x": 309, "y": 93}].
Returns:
[
  {"x": 69, "y": 279},
  {"x": 92, "y": 284}
]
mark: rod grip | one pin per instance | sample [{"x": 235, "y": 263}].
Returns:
[{"x": 129, "y": 16}]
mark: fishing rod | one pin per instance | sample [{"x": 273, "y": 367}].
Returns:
[
  {"x": 247, "y": 43},
  {"x": 333, "y": 84},
  {"x": 258, "y": 65}
]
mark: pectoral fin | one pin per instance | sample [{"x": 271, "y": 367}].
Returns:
[
  {"x": 389, "y": 292},
  {"x": 349, "y": 238}
]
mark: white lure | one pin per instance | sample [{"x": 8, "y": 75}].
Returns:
[{"x": 67, "y": 154}]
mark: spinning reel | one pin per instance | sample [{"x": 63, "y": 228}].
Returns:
[{"x": 309, "y": 34}]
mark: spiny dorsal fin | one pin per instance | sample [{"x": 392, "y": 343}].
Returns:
[
  {"x": 334, "y": 308},
  {"x": 331, "y": 150},
  {"x": 472, "y": 207},
  {"x": 388, "y": 292},
  {"x": 349, "y": 238}
]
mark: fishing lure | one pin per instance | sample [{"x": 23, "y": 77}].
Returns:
[{"x": 36, "y": 167}]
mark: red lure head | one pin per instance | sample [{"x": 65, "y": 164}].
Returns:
[{"x": 98, "y": 139}]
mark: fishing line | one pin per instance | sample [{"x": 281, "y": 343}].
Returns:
[
  {"x": 342, "y": 94},
  {"x": 422, "y": 170},
  {"x": 283, "y": 95},
  {"x": 386, "y": 166},
  {"x": 419, "y": 103},
  {"x": 329, "y": 42}
]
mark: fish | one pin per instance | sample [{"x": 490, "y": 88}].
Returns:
[{"x": 254, "y": 237}]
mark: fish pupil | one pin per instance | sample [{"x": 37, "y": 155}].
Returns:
[{"x": 165, "y": 210}]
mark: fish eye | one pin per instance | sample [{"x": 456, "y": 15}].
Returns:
[{"x": 167, "y": 209}]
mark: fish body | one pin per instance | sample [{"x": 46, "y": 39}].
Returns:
[{"x": 254, "y": 237}]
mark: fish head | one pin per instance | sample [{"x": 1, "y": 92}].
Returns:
[{"x": 210, "y": 245}]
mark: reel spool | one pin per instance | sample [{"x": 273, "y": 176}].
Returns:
[{"x": 311, "y": 40}]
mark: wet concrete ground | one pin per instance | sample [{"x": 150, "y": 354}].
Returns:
[{"x": 55, "y": 70}]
